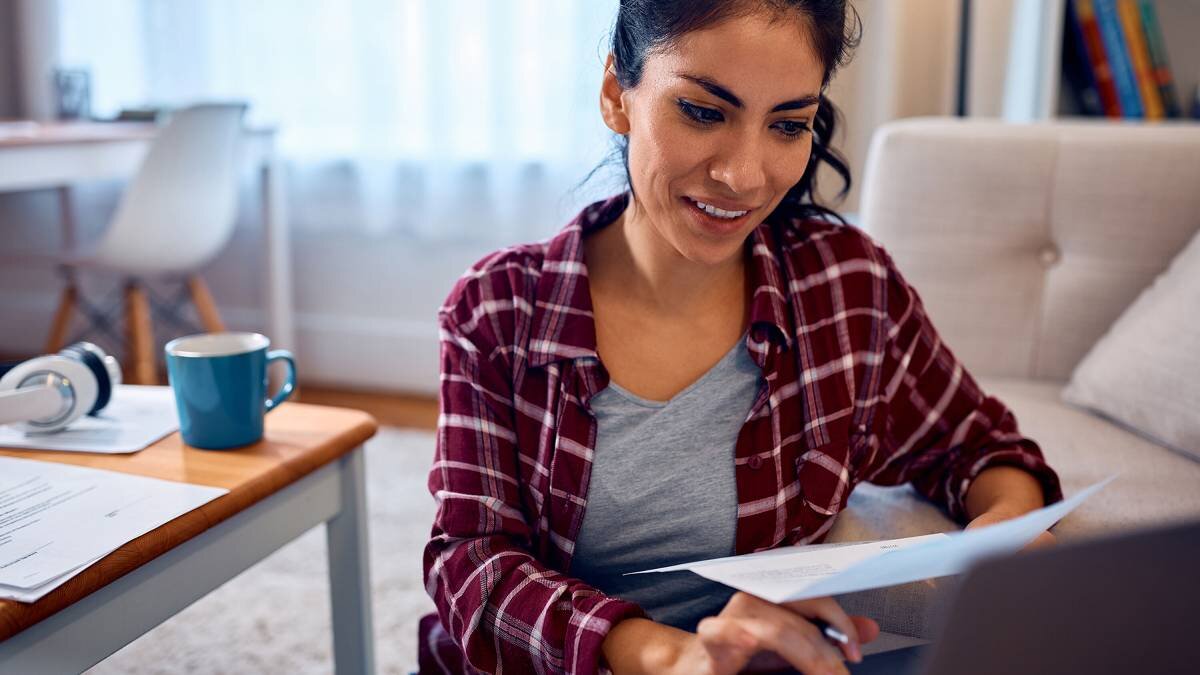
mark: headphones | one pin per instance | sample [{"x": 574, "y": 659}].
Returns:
[{"x": 47, "y": 393}]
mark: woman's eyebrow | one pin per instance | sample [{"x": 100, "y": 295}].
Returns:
[{"x": 721, "y": 92}]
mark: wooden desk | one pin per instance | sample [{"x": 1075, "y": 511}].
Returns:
[
  {"x": 37, "y": 155},
  {"x": 307, "y": 470}
]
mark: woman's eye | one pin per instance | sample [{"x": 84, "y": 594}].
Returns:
[
  {"x": 793, "y": 129},
  {"x": 699, "y": 113}
]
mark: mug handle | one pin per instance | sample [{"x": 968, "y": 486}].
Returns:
[{"x": 286, "y": 390}]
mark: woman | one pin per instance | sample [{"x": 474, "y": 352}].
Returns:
[{"x": 705, "y": 365}]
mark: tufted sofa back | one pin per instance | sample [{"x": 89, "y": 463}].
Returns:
[{"x": 1027, "y": 241}]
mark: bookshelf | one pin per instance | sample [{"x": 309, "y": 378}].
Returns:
[{"x": 1036, "y": 87}]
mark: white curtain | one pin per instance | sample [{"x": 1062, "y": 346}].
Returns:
[{"x": 443, "y": 119}]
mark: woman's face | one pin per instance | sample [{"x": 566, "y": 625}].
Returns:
[{"x": 721, "y": 117}]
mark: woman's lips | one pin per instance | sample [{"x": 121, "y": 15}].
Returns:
[{"x": 714, "y": 223}]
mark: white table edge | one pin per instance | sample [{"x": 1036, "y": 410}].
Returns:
[{"x": 88, "y": 631}]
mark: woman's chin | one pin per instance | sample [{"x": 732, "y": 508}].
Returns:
[
  {"x": 714, "y": 252},
  {"x": 717, "y": 246}
]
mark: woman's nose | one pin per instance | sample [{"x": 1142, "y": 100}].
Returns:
[{"x": 741, "y": 167}]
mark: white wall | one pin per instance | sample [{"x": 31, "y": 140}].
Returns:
[
  {"x": 904, "y": 67},
  {"x": 991, "y": 22}
]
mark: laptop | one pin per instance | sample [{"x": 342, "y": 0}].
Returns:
[{"x": 1128, "y": 603}]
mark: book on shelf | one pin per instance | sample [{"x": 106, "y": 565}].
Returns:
[
  {"x": 1158, "y": 59},
  {"x": 1135, "y": 43},
  {"x": 1093, "y": 96},
  {"x": 1115, "y": 60},
  {"x": 1081, "y": 14},
  {"x": 1118, "y": 58}
]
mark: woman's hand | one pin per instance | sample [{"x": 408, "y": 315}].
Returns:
[
  {"x": 999, "y": 515},
  {"x": 753, "y": 634}
]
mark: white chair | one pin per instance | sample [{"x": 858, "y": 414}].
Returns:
[{"x": 176, "y": 214}]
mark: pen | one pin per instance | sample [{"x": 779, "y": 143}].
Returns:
[{"x": 830, "y": 632}]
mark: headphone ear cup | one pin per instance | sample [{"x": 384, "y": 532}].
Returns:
[
  {"x": 68, "y": 375},
  {"x": 94, "y": 358}
]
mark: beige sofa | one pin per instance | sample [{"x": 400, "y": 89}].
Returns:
[{"x": 1026, "y": 242}]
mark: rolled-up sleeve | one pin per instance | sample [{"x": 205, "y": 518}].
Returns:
[
  {"x": 941, "y": 431},
  {"x": 501, "y": 606}
]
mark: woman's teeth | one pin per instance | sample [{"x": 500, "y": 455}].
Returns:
[{"x": 720, "y": 213}]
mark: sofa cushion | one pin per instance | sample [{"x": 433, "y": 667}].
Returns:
[
  {"x": 1155, "y": 486},
  {"x": 1027, "y": 241},
  {"x": 1142, "y": 373}
]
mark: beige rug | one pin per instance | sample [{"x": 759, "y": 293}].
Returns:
[{"x": 274, "y": 618}]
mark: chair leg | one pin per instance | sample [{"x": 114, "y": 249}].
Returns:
[
  {"x": 62, "y": 319},
  {"x": 205, "y": 307},
  {"x": 140, "y": 335}
]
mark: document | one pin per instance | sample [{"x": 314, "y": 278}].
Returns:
[
  {"x": 803, "y": 572},
  {"x": 56, "y": 519},
  {"x": 32, "y": 594},
  {"x": 136, "y": 416}
]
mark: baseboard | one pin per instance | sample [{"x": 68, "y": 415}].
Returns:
[{"x": 350, "y": 352}]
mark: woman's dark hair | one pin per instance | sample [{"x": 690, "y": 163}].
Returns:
[{"x": 643, "y": 25}]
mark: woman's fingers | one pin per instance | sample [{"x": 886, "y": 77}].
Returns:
[
  {"x": 728, "y": 644},
  {"x": 797, "y": 641},
  {"x": 1044, "y": 540},
  {"x": 785, "y": 631},
  {"x": 751, "y": 632},
  {"x": 868, "y": 629},
  {"x": 828, "y": 609}
]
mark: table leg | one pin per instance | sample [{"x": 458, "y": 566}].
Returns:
[
  {"x": 349, "y": 573},
  {"x": 277, "y": 253}
]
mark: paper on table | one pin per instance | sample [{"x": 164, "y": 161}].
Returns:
[
  {"x": 57, "y": 517},
  {"x": 32, "y": 594},
  {"x": 802, "y": 572},
  {"x": 136, "y": 416}
]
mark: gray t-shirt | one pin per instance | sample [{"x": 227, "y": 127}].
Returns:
[{"x": 662, "y": 491}]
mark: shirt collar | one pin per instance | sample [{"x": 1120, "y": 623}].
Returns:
[{"x": 564, "y": 325}]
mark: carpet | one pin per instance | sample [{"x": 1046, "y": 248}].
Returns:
[{"x": 275, "y": 617}]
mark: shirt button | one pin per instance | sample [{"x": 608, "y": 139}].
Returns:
[{"x": 755, "y": 461}]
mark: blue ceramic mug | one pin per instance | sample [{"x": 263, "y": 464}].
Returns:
[{"x": 220, "y": 385}]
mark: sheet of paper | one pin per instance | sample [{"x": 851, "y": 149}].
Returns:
[
  {"x": 32, "y": 594},
  {"x": 802, "y": 572},
  {"x": 55, "y": 517},
  {"x": 137, "y": 416}
]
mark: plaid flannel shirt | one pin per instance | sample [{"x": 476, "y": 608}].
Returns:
[{"x": 857, "y": 386}]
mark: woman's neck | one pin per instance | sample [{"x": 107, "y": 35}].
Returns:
[{"x": 653, "y": 275}]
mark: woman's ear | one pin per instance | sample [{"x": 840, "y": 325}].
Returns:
[{"x": 612, "y": 106}]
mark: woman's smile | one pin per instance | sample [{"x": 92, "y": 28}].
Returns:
[{"x": 713, "y": 219}]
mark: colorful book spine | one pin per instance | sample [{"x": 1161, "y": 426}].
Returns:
[
  {"x": 1086, "y": 15},
  {"x": 1139, "y": 56},
  {"x": 1118, "y": 58},
  {"x": 1077, "y": 65},
  {"x": 1158, "y": 58}
]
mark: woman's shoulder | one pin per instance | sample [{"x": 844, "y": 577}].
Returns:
[
  {"x": 495, "y": 295},
  {"x": 821, "y": 249},
  {"x": 501, "y": 277},
  {"x": 826, "y": 240}
]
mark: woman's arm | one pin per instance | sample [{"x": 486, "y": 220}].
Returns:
[
  {"x": 497, "y": 602},
  {"x": 638, "y": 645},
  {"x": 1004, "y": 489},
  {"x": 1004, "y": 492}
]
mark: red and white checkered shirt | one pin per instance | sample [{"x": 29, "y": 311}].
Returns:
[{"x": 857, "y": 386}]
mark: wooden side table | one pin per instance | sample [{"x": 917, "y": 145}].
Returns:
[{"x": 307, "y": 470}]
